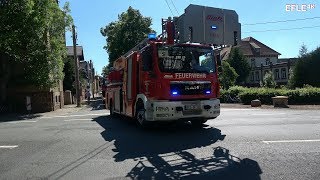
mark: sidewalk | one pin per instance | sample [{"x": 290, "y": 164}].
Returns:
[
  {"x": 241, "y": 106},
  {"x": 67, "y": 109}
]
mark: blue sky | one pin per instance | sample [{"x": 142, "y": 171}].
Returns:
[{"x": 90, "y": 16}]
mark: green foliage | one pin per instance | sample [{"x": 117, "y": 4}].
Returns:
[
  {"x": 268, "y": 80},
  {"x": 32, "y": 33},
  {"x": 105, "y": 71},
  {"x": 122, "y": 35},
  {"x": 306, "y": 70},
  {"x": 307, "y": 95},
  {"x": 303, "y": 50},
  {"x": 263, "y": 94},
  {"x": 69, "y": 75},
  {"x": 233, "y": 92},
  {"x": 228, "y": 76},
  {"x": 240, "y": 64}
]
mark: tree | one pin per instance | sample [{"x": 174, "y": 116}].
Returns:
[
  {"x": 240, "y": 64},
  {"x": 69, "y": 75},
  {"x": 105, "y": 71},
  {"x": 228, "y": 76},
  {"x": 122, "y": 35},
  {"x": 303, "y": 50},
  {"x": 306, "y": 70},
  {"x": 268, "y": 80},
  {"x": 32, "y": 34}
]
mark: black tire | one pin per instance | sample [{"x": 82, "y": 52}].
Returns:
[
  {"x": 140, "y": 117},
  {"x": 198, "y": 122},
  {"x": 111, "y": 109}
]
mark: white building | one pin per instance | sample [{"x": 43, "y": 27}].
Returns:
[{"x": 262, "y": 59}]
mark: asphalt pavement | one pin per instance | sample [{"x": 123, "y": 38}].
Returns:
[{"x": 89, "y": 144}]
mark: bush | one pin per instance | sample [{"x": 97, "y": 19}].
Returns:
[
  {"x": 233, "y": 91},
  {"x": 307, "y": 95},
  {"x": 236, "y": 90}
]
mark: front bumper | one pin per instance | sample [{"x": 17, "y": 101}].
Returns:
[{"x": 182, "y": 110}]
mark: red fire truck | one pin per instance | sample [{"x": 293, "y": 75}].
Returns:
[
  {"x": 173, "y": 76},
  {"x": 103, "y": 85}
]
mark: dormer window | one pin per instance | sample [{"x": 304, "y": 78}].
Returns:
[{"x": 255, "y": 47}]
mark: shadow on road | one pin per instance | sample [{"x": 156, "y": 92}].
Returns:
[
  {"x": 161, "y": 153},
  {"x": 95, "y": 104},
  {"x": 17, "y": 117}
]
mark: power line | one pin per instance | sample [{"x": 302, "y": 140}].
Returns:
[
  {"x": 272, "y": 22},
  {"x": 269, "y": 30},
  {"x": 169, "y": 7},
  {"x": 175, "y": 7}
]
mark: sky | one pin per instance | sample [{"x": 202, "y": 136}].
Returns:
[{"x": 90, "y": 16}]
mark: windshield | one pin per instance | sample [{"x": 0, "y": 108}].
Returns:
[{"x": 186, "y": 59}]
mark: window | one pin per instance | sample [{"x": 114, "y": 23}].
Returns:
[
  {"x": 257, "y": 76},
  {"x": 186, "y": 59},
  {"x": 253, "y": 63},
  {"x": 252, "y": 76},
  {"x": 268, "y": 61},
  {"x": 276, "y": 74},
  {"x": 283, "y": 73},
  {"x": 147, "y": 59}
]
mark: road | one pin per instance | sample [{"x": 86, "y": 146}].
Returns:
[{"x": 89, "y": 144}]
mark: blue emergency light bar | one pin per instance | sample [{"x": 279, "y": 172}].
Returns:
[
  {"x": 174, "y": 92},
  {"x": 152, "y": 36},
  {"x": 214, "y": 27}
]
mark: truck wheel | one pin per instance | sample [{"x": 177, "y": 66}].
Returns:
[
  {"x": 198, "y": 122},
  {"x": 111, "y": 109},
  {"x": 141, "y": 117}
]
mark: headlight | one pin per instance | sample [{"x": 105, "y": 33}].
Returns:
[{"x": 162, "y": 109}]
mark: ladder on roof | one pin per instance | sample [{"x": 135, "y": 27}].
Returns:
[{"x": 139, "y": 46}]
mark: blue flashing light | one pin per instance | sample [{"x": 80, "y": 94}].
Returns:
[
  {"x": 208, "y": 92},
  {"x": 174, "y": 92},
  {"x": 152, "y": 36},
  {"x": 214, "y": 27}
]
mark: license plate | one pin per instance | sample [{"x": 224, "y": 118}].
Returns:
[{"x": 191, "y": 107}]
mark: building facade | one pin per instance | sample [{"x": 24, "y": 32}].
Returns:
[{"x": 262, "y": 59}]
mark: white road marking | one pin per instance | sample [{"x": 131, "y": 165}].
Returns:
[
  {"x": 8, "y": 147},
  {"x": 235, "y": 109},
  {"x": 78, "y": 120},
  {"x": 267, "y": 114},
  {"x": 78, "y": 115},
  {"x": 23, "y": 121},
  {"x": 292, "y": 141}
]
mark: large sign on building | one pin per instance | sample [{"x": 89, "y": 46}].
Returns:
[{"x": 209, "y": 25}]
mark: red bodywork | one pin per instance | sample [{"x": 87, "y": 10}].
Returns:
[{"x": 128, "y": 79}]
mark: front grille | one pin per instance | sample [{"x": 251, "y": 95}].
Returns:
[{"x": 190, "y": 88}]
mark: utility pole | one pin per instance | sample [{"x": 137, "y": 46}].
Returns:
[{"x": 74, "y": 38}]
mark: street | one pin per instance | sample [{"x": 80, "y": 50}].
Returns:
[{"x": 89, "y": 144}]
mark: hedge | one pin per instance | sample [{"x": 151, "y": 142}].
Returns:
[{"x": 307, "y": 95}]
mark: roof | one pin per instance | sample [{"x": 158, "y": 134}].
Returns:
[
  {"x": 225, "y": 52},
  {"x": 252, "y": 47},
  {"x": 79, "y": 51}
]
